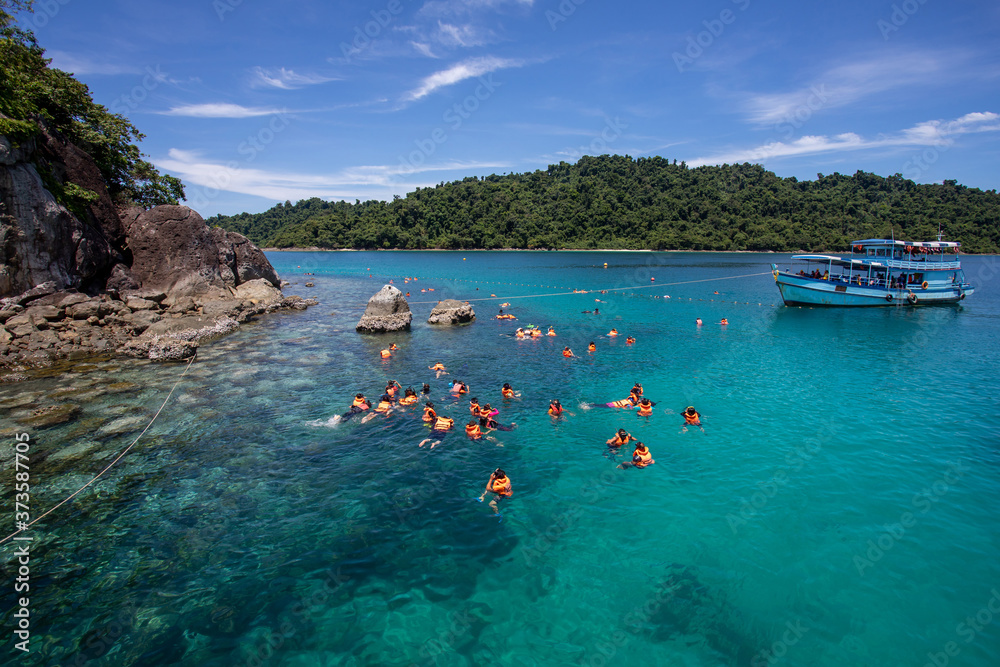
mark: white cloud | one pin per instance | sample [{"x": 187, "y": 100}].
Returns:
[
  {"x": 464, "y": 70},
  {"x": 285, "y": 79},
  {"x": 467, "y": 35},
  {"x": 79, "y": 65},
  {"x": 424, "y": 49},
  {"x": 849, "y": 83},
  {"x": 219, "y": 110},
  {"x": 364, "y": 181},
  {"x": 928, "y": 133}
]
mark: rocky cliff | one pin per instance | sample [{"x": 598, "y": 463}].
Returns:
[{"x": 79, "y": 278}]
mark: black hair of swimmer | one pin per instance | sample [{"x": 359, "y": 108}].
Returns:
[
  {"x": 473, "y": 400},
  {"x": 427, "y": 388},
  {"x": 622, "y": 433},
  {"x": 359, "y": 396},
  {"x": 506, "y": 385},
  {"x": 429, "y": 404},
  {"x": 500, "y": 474}
]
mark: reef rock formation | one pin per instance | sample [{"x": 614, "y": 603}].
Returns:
[
  {"x": 386, "y": 311},
  {"x": 450, "y": 311}
]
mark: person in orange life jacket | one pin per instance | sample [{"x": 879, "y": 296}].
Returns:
[
  {"x": 622, "y": 437},
  {"x": 474, "y": 407},
  {"x": 486, "y": 419},
  {"x": 383, "y": 408},
  {"x": 640, "y": 457},
  {"x": 567, "y": 352},
  {"x": 439, "y": 429},
  {"x": 439, "y": 368},
  {"x": 613, "y": 333},
  {"x": 473, "y": 431},
  {"x": 555, "y": 408},
  {"x": 629, "y": 340},
  {"x": 691, "y": 418},
  {"x": 507, "y": 391},
  {"x": 429, "y": 414},
  {"x": 360, "y": 404},
  {"x": 391, "y": 388},
  {"x": 724, "y": 321},
  {"x": 552, "y": 332},
  {"x": 409, "y": 397},
  {"x": 635, "y": 394},
  {"x": 645, "y": 408},
  {"x": 385, "y": 354},
  {"x": 499, "y": 485},
  {"x": 591, "y": 347},
  {"x": 459, "y": 387}
]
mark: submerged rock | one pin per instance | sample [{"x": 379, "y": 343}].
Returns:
[
  {"x": 51, "y": 415},
  {"x": 450, "y": 311},
  {"x": 386, "y": 311}
]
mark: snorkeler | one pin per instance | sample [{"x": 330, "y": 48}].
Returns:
[
  {"x": 613, "y": 333},
  {"x": 439, "y": 367},
  {"x": 383, "y": 408},
  {"x": 645, "y": 408},
  {"x": 507, "y": 391},
  {"x": 473, "y": 431},
  {"x": 591, "y": 347},
  {"x": 498, "y": 484},
  {"x": 691, "y": 418},
  {"x": 426, "y": 389},
  {"x": 409, "y": 397},
  {"x": 391, "y": 388},
  {"x": 474, "y": 407},
  {"x": 622, "y": 437},
  {"x": 459, "y": 387},
  {"x": 568, "y": 352},
  {"x": 439, "y": 429},
  {"x": 486, "y": 419},
  {"x": 360, "y": 404},
  {"x": 429, "y": 413},
  {"x": 552, "y": 332},
  {"x": 629, "y": 340},
  {"x": 555, "y": 408},
  {"x": 640, "y": 457}
]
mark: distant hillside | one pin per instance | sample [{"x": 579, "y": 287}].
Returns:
[{"x": 648, "y": 203}]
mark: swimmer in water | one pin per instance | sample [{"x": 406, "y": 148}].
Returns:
[
  {"x": 622, "y": 437},
  {"x": 499, "y": 485},
  {"x": 439, "y": 429},
  {"x": 359, "y": 405},
  {"x": 640, "y": 457},
  {"x": 439, "y": 368}
]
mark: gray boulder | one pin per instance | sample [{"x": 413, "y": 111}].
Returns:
[
  {"x": 450, "y": 311},
  {"x": 386, "y": 311}
]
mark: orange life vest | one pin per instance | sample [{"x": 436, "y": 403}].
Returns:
[
  {"x": 474, "y": 408},
  {"x": 429, "y": 415},
  {"x": 618, "y": 441},
  {"x": 443, "y": 423},
  {"x": 555, "y": 411},
  {"x": 551, "y": 333},
  {"x": 360, "y": 403},
  {"x": 536, "y": 332},
  {"x": 507, "y": 393},
  {"x": 641, "y": 460},
  {"x": 567, "y": 353},
  {"x": 592, "y": 347},
  {"x": 383, "y": 406},
  {"x": 501, "y": 486},
  {"x": 691, "y": 419},
  {"x": 613, "y": 332},
  {"x": 386, "y": 354},
  {"x": 473, "y": 431},
  {"x": 646, "y": 410},
  {"x": 624, "y": 403},
  {"x": 408, "y": 400}
]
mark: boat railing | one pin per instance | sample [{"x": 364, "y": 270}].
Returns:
[{"x": 926, "y": 265}]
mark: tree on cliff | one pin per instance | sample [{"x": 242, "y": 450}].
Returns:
[{"x": 34, "y": 95}]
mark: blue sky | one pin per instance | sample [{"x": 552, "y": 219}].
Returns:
[{"x": 252, "y": 102}]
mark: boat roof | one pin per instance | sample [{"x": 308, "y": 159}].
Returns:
[
  {"x": 911, "y": 244},
  {"x": 839, "y": 261}
]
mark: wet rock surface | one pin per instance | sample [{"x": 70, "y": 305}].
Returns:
[
  {"x": 387, "y": 311},
  {"x": 450, "y": 311}
]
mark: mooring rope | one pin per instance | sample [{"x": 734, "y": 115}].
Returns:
[
  {"x": 602, "y": 291},
  {"x": 110, "y": 465}
]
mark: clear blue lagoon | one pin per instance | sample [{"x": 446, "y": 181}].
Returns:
[{"x": 839, "y": 507}]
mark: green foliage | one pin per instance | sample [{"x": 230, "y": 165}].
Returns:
[
  {"x": 648, "y": 203},
  {"x": 31, "y": 93}
]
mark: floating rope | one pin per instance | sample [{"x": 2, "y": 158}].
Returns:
[
  {"x": 602, "y": 291},
  {"x": 110, "y": 465}
]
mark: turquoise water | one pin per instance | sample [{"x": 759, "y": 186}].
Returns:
[{"x": 838, "y": 509}]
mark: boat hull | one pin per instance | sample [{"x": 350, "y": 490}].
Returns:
[{"x": 796, "y": 291}]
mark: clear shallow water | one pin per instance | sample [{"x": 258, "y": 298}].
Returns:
[{"x": 837, "y": 510}]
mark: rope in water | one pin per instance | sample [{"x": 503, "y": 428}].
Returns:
[
  {"x": 110, "y": 465},
  {"x": 610, "y": 289}
]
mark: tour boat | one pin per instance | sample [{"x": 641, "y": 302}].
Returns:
[{"x": 879, "y": 272}]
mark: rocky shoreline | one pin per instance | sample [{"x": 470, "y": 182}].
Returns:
[{"x": 44, "y": 326}]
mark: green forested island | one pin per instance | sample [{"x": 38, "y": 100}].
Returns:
[{"x": 618, "y": 202}]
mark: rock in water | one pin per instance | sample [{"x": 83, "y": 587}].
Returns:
[
  {"x": 450, "y": 311},
  {"x": 386, "y": 311}
]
